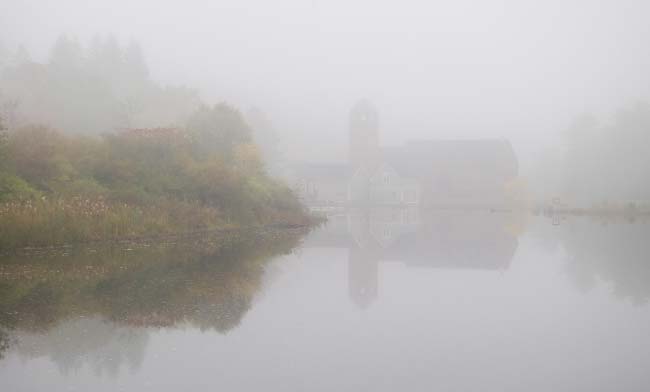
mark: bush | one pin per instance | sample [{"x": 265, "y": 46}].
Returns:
[
  {"x": 15, "y": 188},
  {"x": 137, "y": 183}
]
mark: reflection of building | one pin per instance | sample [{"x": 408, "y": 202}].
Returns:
[
  {"x": 426, "y": 172},
  {"x": 435, "y": 239}
]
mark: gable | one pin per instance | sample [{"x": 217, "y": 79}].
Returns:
[{"x": 385, "y": 175}]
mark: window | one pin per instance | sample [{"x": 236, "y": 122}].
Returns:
[
  {"x": 386, "y": 178},
  {"x": 410, "y": 196}
]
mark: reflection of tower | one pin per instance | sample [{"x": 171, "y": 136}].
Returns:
[
  {"x": 364, "y": 135},
  {"x": 363, "y": 262},
  {"x": 363, "y": 276}
]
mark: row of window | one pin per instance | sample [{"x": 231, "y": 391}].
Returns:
[
  {"x": 394, "y": 196},
  {"x": 309, "y": 189}
]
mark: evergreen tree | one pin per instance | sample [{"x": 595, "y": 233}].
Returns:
[
  {"x": 135, "y": 67},
  {"x": 21, "y": 56},
  {"x": 66, "y": 54}
]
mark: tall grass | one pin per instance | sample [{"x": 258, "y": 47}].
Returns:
[
  {"x": 59, "y": 188},
  {"x": 47, "y": 222}
]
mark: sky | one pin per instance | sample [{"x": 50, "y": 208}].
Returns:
[{"x": 520, "y": 70}]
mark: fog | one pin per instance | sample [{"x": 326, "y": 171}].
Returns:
[
  {"x": 521, "y": 70},
  {"x": 324, "y": 195}
]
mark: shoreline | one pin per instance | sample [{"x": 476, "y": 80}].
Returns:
[{"x": 210, "y": 234}]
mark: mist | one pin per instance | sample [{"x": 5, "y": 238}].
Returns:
[
  {"x": 307, "y": 195},
  {"x": 520, "y": 70}
]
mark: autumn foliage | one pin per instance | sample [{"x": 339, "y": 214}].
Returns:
[{"x": 56, "y": 188}]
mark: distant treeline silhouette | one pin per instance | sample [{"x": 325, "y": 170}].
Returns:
[
  {"x": 601, "y": 162},
  {"x": 165, "y": 163}
]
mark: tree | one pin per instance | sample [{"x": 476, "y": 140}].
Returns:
[
  {"x": 265, "y": 136},
  {"x": 21, "y": 56},
  {"x": 4, "y": 56},
  {"x": 67, "y": 53},
  {"x": 3, "y": 139},
  {"x": 135, "y": 67},
  {"x": 103, "y": 87},
  {"x": 218, "y": 130},
  {"x": 609, "y": 161}
]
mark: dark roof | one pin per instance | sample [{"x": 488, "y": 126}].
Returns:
[
  {"x": 425, "y": 157},
  {"x": 429, "y": 158}
]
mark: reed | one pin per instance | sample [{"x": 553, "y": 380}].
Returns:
[{"x": 46, "y": 222}]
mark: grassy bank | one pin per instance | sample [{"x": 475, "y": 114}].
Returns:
[
  {"x": 57, "y": 222},
  {"x": 59, "y": 189}
]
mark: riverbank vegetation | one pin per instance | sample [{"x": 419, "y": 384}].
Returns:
[
  {"x": 91, "y": 149},
  {"x": 57, "y": 188},
  {"x": 603, "y": 164}
]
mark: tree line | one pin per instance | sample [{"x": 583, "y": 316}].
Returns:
[
  {"x": 600, "y": 163},
  {"x": 75, "y": 164}
]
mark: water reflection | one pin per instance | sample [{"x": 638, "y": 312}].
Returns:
[
  {"x": 491, "y": 282},
  {"x": 105, "y": 346},
  {"x": 615, "y": 250},
  {"x": 478, "y": 239},
  {"x": 98, "y": 298}
]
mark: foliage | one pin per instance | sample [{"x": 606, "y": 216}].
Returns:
[
  {"x": 266, "y": 137},
  {"x": 13, "y": 188},
  {"x": 516, "y": 192},
  {"x": 61, "y": 221},
  {"x": 201, "y": 173},
  {"x": 98, "y": 88},
  {"x": 3, "y": 140},
  {"x": 217, "y": 129},
  {"x": 604, "y": 161},
  {"x": 138, "y": 182}
]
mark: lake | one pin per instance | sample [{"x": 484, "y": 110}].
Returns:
[{"x": 380, "y": 300}]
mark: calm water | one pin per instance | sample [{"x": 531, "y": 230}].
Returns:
[{"x": 379, "y": 301}]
